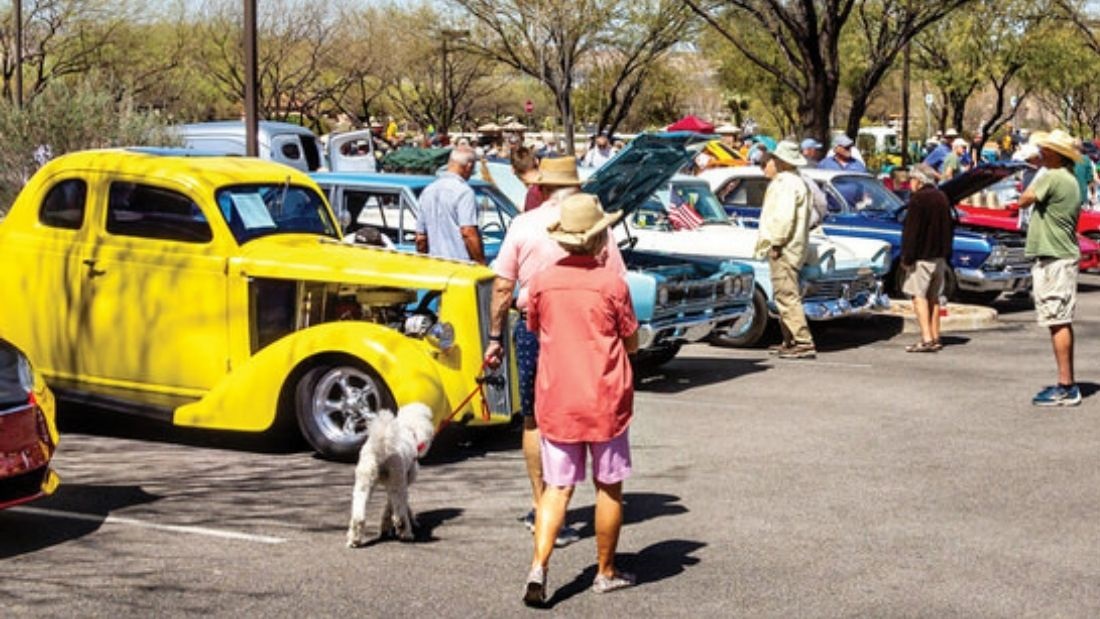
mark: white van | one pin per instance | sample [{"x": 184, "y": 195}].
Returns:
[{"x": 285, "y": 143}]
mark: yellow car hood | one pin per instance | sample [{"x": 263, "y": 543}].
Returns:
[{"x": 313, "y": 258}]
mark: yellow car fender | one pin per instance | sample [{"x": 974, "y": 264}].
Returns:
[{"x": 248, "y": 397}]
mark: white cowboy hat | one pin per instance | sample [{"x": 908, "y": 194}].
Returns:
[{"x": 581, "y": 220}]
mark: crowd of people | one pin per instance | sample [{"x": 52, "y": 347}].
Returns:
[{"x": 559, "y": 267}]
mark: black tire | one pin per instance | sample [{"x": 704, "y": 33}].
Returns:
[
  {"x": 742, "y": 334},
  {"x": 335, "y": 403},
  {"x": 655, "y": 358}
]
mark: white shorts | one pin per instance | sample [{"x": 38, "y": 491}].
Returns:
[{"x": 1054, "y": 288}]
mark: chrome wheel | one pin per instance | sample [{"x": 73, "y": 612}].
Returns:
[
  {"x": 336, "y": 406},
  {"x": 345, "y": 401}
]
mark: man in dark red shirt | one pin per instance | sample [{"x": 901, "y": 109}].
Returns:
[{"x": 925, "y": 250}]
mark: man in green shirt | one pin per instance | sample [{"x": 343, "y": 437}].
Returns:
[{"x": 1052, "y": 243}]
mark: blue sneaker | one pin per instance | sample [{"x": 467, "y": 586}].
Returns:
[{"x": 1057, "y": 395}]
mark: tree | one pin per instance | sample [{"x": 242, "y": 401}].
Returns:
[
  {"x": 806, "y": 36},
  {"x": 544, "y": 39},
  {"x": 297, "y": 44},
  {"x": 638, "y": 38},
  {"x": 433, "y": 80},
  {"x": 61, "y": 38},
  {"x": 987, "y": 46}
]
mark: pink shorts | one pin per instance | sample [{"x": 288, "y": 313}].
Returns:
[{"x": 563, "y": 464}]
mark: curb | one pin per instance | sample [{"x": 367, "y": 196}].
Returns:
[{"x": 959, "y": 317}]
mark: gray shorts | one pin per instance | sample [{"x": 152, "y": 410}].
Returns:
[
  {"x": 925, "y": 279},
  {"x": 1054, "y": 289}
]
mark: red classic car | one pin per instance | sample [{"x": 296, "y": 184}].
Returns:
[
  {"x": 28, "y": 436},
  {"x": 997, "y": 207}
]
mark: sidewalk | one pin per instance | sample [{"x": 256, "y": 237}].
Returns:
[{"x": 954, "y": 318}]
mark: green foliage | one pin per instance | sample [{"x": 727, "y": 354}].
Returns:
[{"x": 69, "y": 117}]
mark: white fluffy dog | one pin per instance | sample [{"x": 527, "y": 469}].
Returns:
[{"x": 390, "y": 458}]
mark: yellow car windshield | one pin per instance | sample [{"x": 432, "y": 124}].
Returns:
[{"x": 253, "y": 211}]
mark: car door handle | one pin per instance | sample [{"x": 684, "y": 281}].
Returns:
[{"x": 92, "y": 271}]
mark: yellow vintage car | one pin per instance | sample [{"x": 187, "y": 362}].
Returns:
[{"x": 216, "y": 292}]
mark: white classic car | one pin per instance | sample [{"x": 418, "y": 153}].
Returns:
[{"x": 842, "y": 275}]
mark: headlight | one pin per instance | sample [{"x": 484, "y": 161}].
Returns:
[
  {"x": 746, "y": 284},
  {"x": 662, "y": 295},
  {"x": 26, "y": 374},
  {"x": 729, "y": 286},
  {"x": 418, "y": 325},
  {"x": 997, "y": 257},
  {"x": 441, "y": 335}
]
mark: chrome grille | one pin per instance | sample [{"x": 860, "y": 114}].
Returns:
[
  {"x": 498, "y": 393},
  {"x": 838, "y": 288},
  {"x": 1015, "y": 258}
]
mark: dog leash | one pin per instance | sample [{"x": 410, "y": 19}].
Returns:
[{"x": 481, "y": 379}]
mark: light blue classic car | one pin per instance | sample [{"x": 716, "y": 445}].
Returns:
[{"x": 676, "y": 300}]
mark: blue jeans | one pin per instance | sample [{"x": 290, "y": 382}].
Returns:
[{"x": 527, "y": 358}]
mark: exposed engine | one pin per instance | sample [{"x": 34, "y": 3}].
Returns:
[{"x": 280, "y": 307}]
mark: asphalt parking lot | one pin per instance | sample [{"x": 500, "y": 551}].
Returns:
[{"x": 869, "y": 482}]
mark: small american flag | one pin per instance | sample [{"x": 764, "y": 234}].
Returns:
[{"x": 682, "y": 215}]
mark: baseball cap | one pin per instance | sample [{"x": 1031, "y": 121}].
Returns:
[{"x": 810, "y": 143}]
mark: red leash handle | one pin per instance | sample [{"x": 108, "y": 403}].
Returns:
[{"x": 479, "y": 389}]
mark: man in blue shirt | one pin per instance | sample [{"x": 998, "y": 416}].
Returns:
[
  {"x": 840, "y": 158},
  {"x": 936, "y": 157},
  {"x": 447, "y": 222}
]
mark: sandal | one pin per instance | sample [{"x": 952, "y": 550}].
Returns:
[
  {"x": 607, "y": 584},
  {"x": 922, "y": 347},
  {"x": 937, "y": 345}
]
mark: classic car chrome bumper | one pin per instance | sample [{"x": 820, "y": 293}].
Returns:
[
  {"x": 1009, "y": 279},
  {"x": 673, "y": 330},
  {"x": 829, "y": 308}
]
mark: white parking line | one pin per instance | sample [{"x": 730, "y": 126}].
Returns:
[{"x": 54, "y": 513}]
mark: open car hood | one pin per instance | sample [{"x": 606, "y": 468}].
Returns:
[
  {"x": 647, "y": 163},
  {"x": 973, "y": 181}
]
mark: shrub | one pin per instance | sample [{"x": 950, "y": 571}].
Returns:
[{"x": 64, "y": 118}]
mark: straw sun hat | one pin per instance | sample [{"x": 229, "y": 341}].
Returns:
[
  {"x": 789, "y": 153},
  {"x": 582, "y": 220},
  {"x": 1062, "y": 143},
  {"x": 559, "y": 172}
]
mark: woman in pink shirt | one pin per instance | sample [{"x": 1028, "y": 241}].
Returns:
[{"x": 584, "y": 392}]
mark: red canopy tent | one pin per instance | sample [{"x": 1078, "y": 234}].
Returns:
[{"x": 691, "y": 123}]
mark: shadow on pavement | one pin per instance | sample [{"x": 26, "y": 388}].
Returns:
[
  {"x": 458, "y": 443},
  {"x": 637, "y": 507},
  {"x": 1088, "y": 389},
  {"x": 426, "y": 524},
  {"x": 653, "y": 564},
  {"x": 844, "y": 333},
  {"x": 687, "y": 372},
  {"x": 99, "y": 422},
  {"x": 26, "y": 531},
  {"x": 953, "y": 340}
]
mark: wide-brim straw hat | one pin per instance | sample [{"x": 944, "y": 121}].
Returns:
[
  {"x": 558, "y": 171},
  {"x": 1062, "y": 143},
  {"x": 789, "y": 153},
  {"x": 581, "y": 221}
]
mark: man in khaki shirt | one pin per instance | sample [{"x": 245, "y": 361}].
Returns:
[{"x": 783, "y": 238}]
